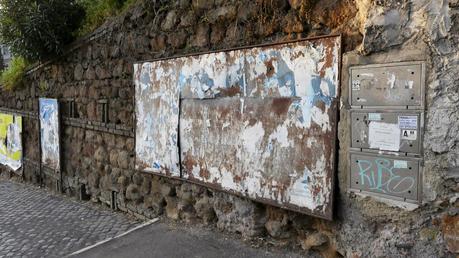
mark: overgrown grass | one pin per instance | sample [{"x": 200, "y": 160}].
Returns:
[
  {"x": 12, "y": 77},
  {"x": 97, "y": 12}
]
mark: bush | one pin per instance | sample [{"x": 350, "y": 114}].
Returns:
[
  {"x": 12, "y": 77},
  {"x": 39, "y": 30},
  {"x": 97, "y": 11}
]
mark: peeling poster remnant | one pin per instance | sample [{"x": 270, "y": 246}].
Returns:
[
  {"x": 11, "y": 141},
  {"x": 258, "y": 122},
  {"x": 49, "y": 133},
  {"x": 157, "y": 113}
]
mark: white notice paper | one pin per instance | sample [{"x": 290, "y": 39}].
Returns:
[
  {"x": 384, "y": 136},
  {"x": 400, "y": 164},
  {"x": 408, "y": 122}
]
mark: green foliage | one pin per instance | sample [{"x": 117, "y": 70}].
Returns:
[
  {"x": 12, "y": 77},
  {"x": 39, "y": 29},
  {"x": 97, "y": 11}
]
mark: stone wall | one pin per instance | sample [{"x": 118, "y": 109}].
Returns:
[{"x": 100, "y": 154}]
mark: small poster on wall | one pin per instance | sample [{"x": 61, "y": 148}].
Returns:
[
  {"x": 49, "y": 133},
  {"x": 11, "y": 141}
]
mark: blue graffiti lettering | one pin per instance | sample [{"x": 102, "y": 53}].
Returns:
[{"x": 381, "y": 176}]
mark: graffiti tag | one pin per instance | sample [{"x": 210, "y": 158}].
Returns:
[{"x": 381, "y": 175}]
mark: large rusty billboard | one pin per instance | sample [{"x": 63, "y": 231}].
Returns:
[{"x": 259, "y": 122}]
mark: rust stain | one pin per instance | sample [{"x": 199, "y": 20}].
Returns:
[
  {"x": 270, "y": 68},
  {"x": 328, "y": 58},
  {"x": 280, "y": 106},
  {"x": 237, "y": 178},
  {"x": 252, "y": 121},
  {"x": 231, "y": 91},
  {"x": 204, "y": 173},
  {"x": 188, "y": 163},
  {"x": 321, "y": 106},
  {"x": 296, "y": 55},
  {"x": 450, "y": 229},
  {"x": 141, "y": 165}
]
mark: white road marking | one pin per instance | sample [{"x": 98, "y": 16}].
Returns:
[{"x": 115, "y": 237}]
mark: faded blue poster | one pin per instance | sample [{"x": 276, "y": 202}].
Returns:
[{"x": 49, "y": 128}]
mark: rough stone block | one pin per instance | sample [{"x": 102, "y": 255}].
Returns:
[
  {"x": 315, "y": 240},
  {"x": 158, "y": 43},
  {"x": 167, "y": 190},
  {"x": 137, "y": 179},
  {"x": 184, "y": 193},
  {"x": 186, "y": 211},
  {"x": 78, "y": 73},
  {"x": 122, "y": 182},
  {"x": 188, "y": 19},
  {"x": 133, "y": 193},
  {"x": 156, "y": 202},
  {"x": 201, "y": 39},
  {"x": 238, "y": 215},
  {"x": 222, "y": 14},
  {"x": 101, "y": 154},
  {"x": 178, "y": 39},
  {"x": 202, "y": 4},
  {"x": 114, "y": 158},
  {"x": 171, "y": 207},
  {"x": 205, "y": 210},
  {"x": 156, "y": 185},
  {"x": 170, "y": 21},
  {"x": 123, "y": 159},
  {"x": 93, "y": 180}
]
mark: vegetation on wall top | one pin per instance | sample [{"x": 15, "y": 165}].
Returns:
[
  {"x": 12, "y": 77},
  {"x": 97, "y": 11},
  {"x": 38, "y": 30}
]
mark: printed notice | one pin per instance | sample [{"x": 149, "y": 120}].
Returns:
[
  {"x": 400, "y": 164},
  {"x": 408, "y": 122},
  {"x": 374, "y": 116},
  {"x": 384, "y": 136},
  {"x": 410, "y": 135}
]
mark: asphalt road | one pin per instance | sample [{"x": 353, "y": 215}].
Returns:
[{"x": 165, "y": 241}]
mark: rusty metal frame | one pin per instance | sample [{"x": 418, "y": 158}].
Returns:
[{"x": 334, "y": 174}]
